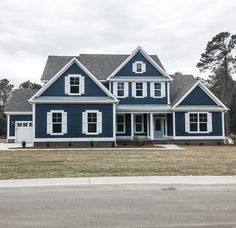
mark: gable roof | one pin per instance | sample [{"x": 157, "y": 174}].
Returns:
[
  {"x": 19, "y": 100},
  {"x": 139, "y": 49},
  {"x": 62, "y": 70},
  {"x": 100, "y": 65},
  {"x": 180, "y": 85}
]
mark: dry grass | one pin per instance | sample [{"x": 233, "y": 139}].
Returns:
[{"x": 201, "y": 160}]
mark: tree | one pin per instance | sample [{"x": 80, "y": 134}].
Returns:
[
  {"x": 5, "y": 94},
  {"x": 29, "y": 85},
  {"x": 219, "y": 60}
]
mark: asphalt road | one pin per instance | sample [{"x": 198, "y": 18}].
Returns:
[{"x": 118, "y": 206}]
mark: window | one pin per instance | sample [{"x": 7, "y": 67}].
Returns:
[
  {"x": 157, "y": 89},
  {"x": 25, "y": 124},
  {"x": 92, "y": 122},
  {"x": 74, "y": 84},
  {"x": 139, "y": 123},
  {"x": 57, "y": 122},
  {"x": 120, "y": 127},
  {"x": 198, "y": 122},
  {"x": 120, "y": 89},
  {"x": 139, "y": 89},
  {"x": 139, "y": 67}
]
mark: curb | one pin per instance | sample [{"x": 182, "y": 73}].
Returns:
[{"x": 162, "y": 180}]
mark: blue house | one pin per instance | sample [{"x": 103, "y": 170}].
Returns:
[{"x": 99, "y": 100}]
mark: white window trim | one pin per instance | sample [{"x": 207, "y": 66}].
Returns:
[
  {"x": 57, "y": 111},
  {"x": 144, "y": 90},
  {"x": 92, "y": 133},
  {"x": 139, "y": 132},
  {"x": 143, "y": 67},
  {"x": 152, "y": 87},
  {"x": 81, "y": 85},
  {"x": 126, "y": 89},
  {"x": 117, "y": 90},
  {"x": 124, "y": 131},
  {"x": 198, "y": 123}
]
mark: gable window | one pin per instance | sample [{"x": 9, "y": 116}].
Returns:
[
  {"x": 120, "y": 89},
  {"x": 139, "y": 123},
  {"x": 120, "y": 126},
  {"x": 198, "y": 122},
  {"x": 139, "y": 67},
  {"x": 56, "y": 122},
  {"x": 74, "y": 84},
  {"x": 92, "y": 122},
  {"x": 139, "y": 89}
]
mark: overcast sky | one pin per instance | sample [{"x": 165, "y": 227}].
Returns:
[{"x": 176, "y": 30}]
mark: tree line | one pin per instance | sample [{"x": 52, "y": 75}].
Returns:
[{"x": 218, "y": 59}]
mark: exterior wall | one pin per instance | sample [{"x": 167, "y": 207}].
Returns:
[
  {"x": 150, "y": 69},
  {"x": 74, "y": 120},
  {"x": 13, "y": 119},
  {"x": 197, "y": 97},
  {"x": 58, "y": 87},
  {"x": 169, "y": 125},
  {"x": 216, "y": 125},
  {"x": 146, "y": 100}
]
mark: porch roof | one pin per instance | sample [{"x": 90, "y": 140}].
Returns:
[{"x": 144, "y": 108}]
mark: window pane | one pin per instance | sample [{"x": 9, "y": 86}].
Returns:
[
  {"x": 139, "y": 67},
  {"x": 139, "y": 93},
  {"x": 203, "y": 117},
  {"x": 193, "y": 117},
  {"x": 138, "y": 128},
  {"x": 92, "y": 127},
  {"x": 56, "y": 117},
  {"x": 74, "y": 80},
  {"x": 193, "y": 126},
  {"x": 157, "y": 93},
  {"x": 74, "y": 89},
  {"x": 120, "y": 85},
  {"x": 120, "y": 127},
  {"x": 92, "y": 117},
  {"x": 120, "y": 93},
  {"x": 120, "y": 119},
  {"x": 139, "y": 118},
  {"x": 56, "y": 128},
  {"x": 203, "y": 126},
  {"x": 139, "y": 85},
  {"x": 157, "y": 85}
]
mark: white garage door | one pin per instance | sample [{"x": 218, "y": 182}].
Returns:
[{"x": 24, "y": 131}]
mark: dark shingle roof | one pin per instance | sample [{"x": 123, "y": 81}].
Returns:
[
  {"x": 100, "y": 65},
  {"x": 19, "y": 100},
  {"x": 179, "y": 86}
]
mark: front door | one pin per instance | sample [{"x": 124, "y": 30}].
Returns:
[{"x": 158, "y": 128}]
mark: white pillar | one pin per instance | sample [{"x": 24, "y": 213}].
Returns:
[
  {"x": 8, "y": 127},
  {"x": 223, "y": 124},
  {"x": 148, "y": 127},
  {"x": 174, "y": 125},
  {"x": 151, "y": 127},
  {"x": 132, "y": 126}
]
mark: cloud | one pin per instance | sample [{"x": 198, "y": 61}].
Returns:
[{"x": 176, "y": 30}]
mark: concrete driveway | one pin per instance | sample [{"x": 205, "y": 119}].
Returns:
[
  {"x": 140, "y": 205},
  {"x": 6, "y": 146}
]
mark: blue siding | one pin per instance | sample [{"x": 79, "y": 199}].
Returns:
[
  {"x": 169, "y": 124},
  {"x": 150, "y": 69},
  {"x": 216, "y": 125},
  {"x": 146, "y": 100},
  {"x": 198, "y": 97},
  {"x": 58, "y": 87},
  {"x": 74, "y": 119},
  {"x": 14, "y": 118}
]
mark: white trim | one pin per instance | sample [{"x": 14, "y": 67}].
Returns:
[
  {"x": 18, "y": 113},
  {"x": 97, "y": 123},
  {"x": 52, "y": 112},
  {"x": 206, "y": 90},
  {"x": 115, "y": 89},
  {"x": 94, "y": 139},
  {"x": 174, "y": 130},
  {"x": 57, "y": 75},
  {"x": 71, "y": 102},
  {"x": 33, "y": 120},
  {"x": 148, "y": 126},
  {"x": 152, "y": 89},
  {"x": 168, "y": 93},
  {"x": 151, "y": 127},
  {"x": 81, "y": 85},
  {"x": 142, "y": 79},
  {"x": 143, "y": 67},
  {"x": 199, "y": 137},
  {"x": 114, "y": 123},
  {"x": 132, "y": 125},
  {"x": 124, "y": 123},
  {"x": 135, "y": 131},
  {"x": 223, "y": 124},
  {"x": 146, "y": 56},
  {"x": 134, "y": 89},
  {"x": 8, "y": 126},
  {"x": 22, "y": 121},
  {"x": 197, "y": 108}
]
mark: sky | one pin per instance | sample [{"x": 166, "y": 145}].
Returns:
[{"x": 176, "y": 30}]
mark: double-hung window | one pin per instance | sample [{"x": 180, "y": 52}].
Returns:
[
  {"x": 139, "y": 123},
  {"x": 139, "y": 89},
  {"x": 120, "y": 126},
  {"x": 120, "y": 89},
  {"x": 198, "y": 122},
  {"x": 157, "y": 89},
  {"x": 139, "y": 67},
  {"x": 92, "y": 122},
  {"x": 74, "y": 85},
  {"x": 56, "y": 122}
]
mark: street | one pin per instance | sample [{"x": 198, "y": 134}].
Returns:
[{"x": 135, "y": 205}]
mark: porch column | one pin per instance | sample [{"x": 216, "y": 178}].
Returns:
[
  {"x": 151, "y": 127},
  {"x": 148, "y": 127},
  {"x": 132, "y": 126}
]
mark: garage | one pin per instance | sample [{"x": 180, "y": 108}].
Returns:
[{"x": 24, "y": 131}]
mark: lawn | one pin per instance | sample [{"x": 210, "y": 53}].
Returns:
[{"x": 199, "y": 160}]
